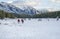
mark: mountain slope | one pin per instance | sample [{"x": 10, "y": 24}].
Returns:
[{"x": 11, "y": 8}]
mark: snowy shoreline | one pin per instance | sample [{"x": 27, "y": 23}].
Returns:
[{"x": 30, "y": 29}]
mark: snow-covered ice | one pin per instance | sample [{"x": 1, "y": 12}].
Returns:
[{"x": 30, "y": 29}]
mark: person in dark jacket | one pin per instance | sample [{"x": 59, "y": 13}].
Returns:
[
  {"x": 22, "y": 20},
  {"x": 18, "y": 20}
]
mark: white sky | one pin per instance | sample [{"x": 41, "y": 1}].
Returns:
[{"x": 38, "y": 4}]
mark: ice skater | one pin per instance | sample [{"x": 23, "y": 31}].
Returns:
[
  {"x": 48, "y": 19},
  {"x": 22, "y": 20},
  {"x": 57, "y": 18},
  {"x": 0, "y": 23},
  {"x": 18, "y": 21}
]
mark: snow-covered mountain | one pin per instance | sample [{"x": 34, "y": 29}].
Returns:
[
  {"x": 11, "y": 8},
  {"x": 43, "y": 11},
  {"x": 29, "y": 10}
]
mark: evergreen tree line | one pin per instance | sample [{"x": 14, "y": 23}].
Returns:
[
  {"x": 6, "y": 15},
  {"x": 48, "y": 15},
  {"x": 42, "y": 15}
]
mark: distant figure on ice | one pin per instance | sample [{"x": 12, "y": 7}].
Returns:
[
  {"x": 22, "y": 20},
  {"x": 57, "y": 18},
  {"x": 0, "y": 23},
  {"x": 40, "y": 19},
  {"x": 48, "y": 19},
  {"x": 18, "y": 21}
]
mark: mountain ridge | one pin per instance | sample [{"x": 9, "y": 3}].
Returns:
[{"x": 11, "y": 8}]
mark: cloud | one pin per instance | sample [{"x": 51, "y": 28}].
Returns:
[
  {"x": 53, "y": 8},
  {"x": 27, "y": 2},
  {"x": 8, "y": 1},
  {"x": 55, "y": 1},
  {"x": 51, "y": 5},
  {"x": 32, "y": 3}
]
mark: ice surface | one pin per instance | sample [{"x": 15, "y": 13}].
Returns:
[{"x": 30, "y": 29}]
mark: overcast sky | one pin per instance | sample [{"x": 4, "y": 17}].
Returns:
[{"x": 38, "y": 4}]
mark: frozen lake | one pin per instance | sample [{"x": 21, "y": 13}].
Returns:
[{"x": 30, "y": 29}]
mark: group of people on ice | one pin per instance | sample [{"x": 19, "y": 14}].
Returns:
[{"x": 20, "y": 20}]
